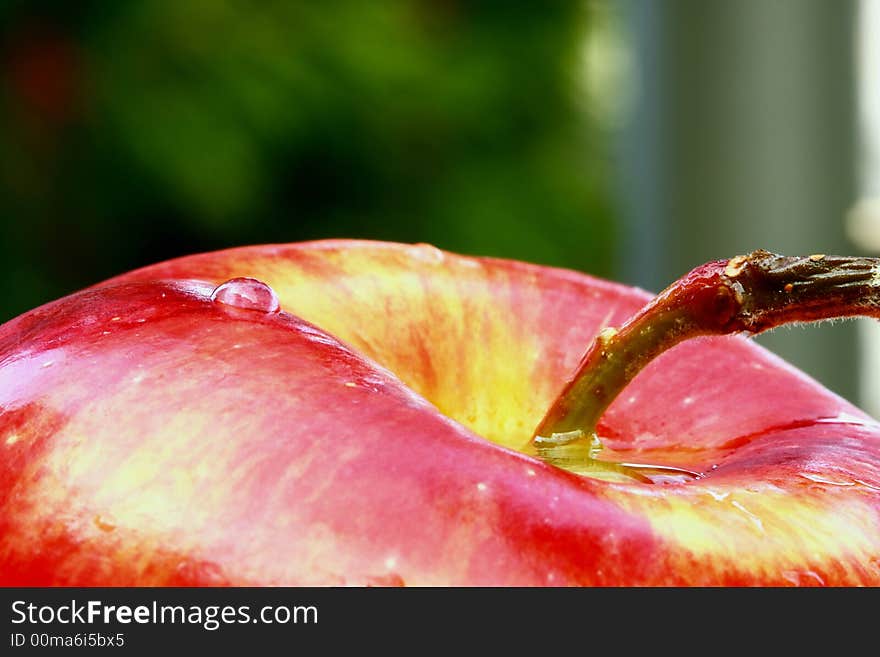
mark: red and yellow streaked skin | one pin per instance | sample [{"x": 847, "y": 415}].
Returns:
[{"x": 368, "y": 434}]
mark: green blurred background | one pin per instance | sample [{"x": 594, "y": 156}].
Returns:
[
  {"x": 137, "y": 131},
  {"x": 631, "y": 139}
]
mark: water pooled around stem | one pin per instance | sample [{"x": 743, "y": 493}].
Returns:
[
  {"x": 580, "y": 454},
  {"x": 745, "y": 294},
  {"x": 247, "y": 294}
]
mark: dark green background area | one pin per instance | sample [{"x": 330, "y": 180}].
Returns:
[{"x": 132, "y": 132}]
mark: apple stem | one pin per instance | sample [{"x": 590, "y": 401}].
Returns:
[{"x": 746, "y": 294}]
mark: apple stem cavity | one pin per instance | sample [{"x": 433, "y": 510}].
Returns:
[{"x": 746, "y": 294}]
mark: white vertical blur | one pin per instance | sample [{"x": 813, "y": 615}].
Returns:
[
  {"x": 863, "y": 224},
  {"x": 742, "y": 136}
]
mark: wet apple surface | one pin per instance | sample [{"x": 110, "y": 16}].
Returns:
[{"x": 165, "y": 428}]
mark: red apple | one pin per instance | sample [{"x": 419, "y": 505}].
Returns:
[{"x": 374, "y": 431}]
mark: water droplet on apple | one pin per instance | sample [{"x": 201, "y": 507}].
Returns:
[
  {"x": 247, "y": 294},
  {"x": 428, "y": 253}
]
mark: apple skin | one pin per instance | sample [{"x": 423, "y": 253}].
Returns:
[{"x": 367, "y": 435}]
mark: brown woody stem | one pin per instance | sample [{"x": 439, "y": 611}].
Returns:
[{"x": 746, "y": 294}]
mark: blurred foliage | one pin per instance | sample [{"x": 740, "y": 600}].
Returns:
[{"x": 132, "y": 132}]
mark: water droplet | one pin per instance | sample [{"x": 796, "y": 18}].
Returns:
[
  {"x": 428, "y": 253},
  {"x": 248, "y": 294}
]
